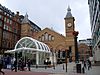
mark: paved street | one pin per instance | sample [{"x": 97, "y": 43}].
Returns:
[
  {"x": 94, "y": 71},
  {"x": 57, "y": 71},
  {"x": 9, "y": 72}
]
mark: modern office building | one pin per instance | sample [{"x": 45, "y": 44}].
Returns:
[{"x": 94, "y": 8}]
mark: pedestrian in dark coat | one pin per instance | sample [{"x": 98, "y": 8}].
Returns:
[
  {"x": 29, "y": 64},
  {"x": 89, "y": 64},
  {"x": 1, "y": 66}
]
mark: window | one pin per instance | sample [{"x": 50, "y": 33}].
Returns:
[
  {"x": 8, "y": 20},
  {"x": 5, "y": 19},
  {"x": 6, "y": 27},
  {"x": 15, "y": 31},
  {"x": 10, "y": 28},
  {"x": 49, "y": 37},
  {"x": 42, "y": 37},
  {"x": 52, "y": 38},
  {"x": 46, "y": 36}
]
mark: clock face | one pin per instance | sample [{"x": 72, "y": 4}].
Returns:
[{"x": 69, "y": 24}]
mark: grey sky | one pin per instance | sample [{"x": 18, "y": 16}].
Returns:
[{"x": 51, "y": 13}]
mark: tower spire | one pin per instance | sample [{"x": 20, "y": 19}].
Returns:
[
  {"x": 69, "y": 14},
  {"x": 25, "y": 20}
]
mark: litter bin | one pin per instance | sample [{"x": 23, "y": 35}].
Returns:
[{"x": 78, "y": 68}]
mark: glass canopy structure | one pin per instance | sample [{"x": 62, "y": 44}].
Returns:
[{"x": 32, "y": 48}]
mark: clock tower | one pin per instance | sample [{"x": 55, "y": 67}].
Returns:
[
  {"x": 69, "y": 23},
  {"x": 69, "y": 29}
]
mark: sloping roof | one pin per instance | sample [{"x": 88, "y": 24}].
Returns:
[
  {"x": 54, "y": 32},
  {"x": 30, "y": 44},
  {"x": 69, "y": 14}
]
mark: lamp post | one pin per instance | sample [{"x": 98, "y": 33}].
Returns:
[
  {"x": 66, "y": 59},
  {"x": 15, "y": 61},
  {"x": 75, "y": 33}
]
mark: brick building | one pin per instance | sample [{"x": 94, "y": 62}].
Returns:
[
  {"x": 59, "y": 43},
  {"x": 13, "y": 27},
  {"x": 9, "y": 29}
]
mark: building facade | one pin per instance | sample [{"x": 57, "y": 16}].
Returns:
[
  {"x": 94, "y": 8},
  {"x": 13, "y": 27},
  {"x": 85, "y": 49},
  {"x": 9, "y": 29},
  {"x": 57, "y": 42},
  {"x": 28, "y": 28}
]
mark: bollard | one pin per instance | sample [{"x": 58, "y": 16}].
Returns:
[
  {"x": 45, "y": 67},
  {"x": 63, "y": 66},
  {"x": 53, "y": 66},
  {"x": 36, "y": 66}
]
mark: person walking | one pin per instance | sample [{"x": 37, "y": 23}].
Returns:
[
  {"x": 1, "y": 66},
  {"x": 83, "y": 67},
  {"x": 12, "y": 63},
  {"x": 89, "y": 64}
]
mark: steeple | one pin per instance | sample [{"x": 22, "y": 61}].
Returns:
[
  {"x": 25, "y": 20},
  {"x": 69, "y": 14}
]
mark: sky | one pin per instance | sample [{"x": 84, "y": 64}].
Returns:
[{"x": 51, "y": 13}]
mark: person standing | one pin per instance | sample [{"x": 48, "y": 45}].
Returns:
[
  {"x": 29, "y": 64},
  {"x": 1, "y": 66}
]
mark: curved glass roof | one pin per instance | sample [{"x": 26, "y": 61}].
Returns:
[{"x": 31, "y": 44}]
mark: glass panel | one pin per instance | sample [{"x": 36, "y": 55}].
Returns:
[
  {"x": 0, "y": 23},
  {"x": 0, "y": 16},
  {"x": 42, "y": 46},
  {"x": 18, "y": 46},
  {"x": 27, "y": 43},
  {"x": 38, "y": 45},
  {"x": 0, "y": 36}
]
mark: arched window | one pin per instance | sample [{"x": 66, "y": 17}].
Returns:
[
  {"x": 39, "y": 38},
  {"x": 49, "y": 37},
  {"x": 46, "y": 36},
  {"x": 42, "y": 37},
  {"x": 52, "y": 38}
]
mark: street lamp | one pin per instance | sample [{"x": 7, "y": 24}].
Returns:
[
  {"x": 75, "y": 33},
  {"x": 66, "y": 59},
  {"x": 15, "y": 61}
]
